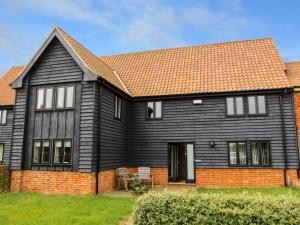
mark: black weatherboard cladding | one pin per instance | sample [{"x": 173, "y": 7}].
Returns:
[
  {"x": 6, "y": 132},
  {"x": 185, "y": 122},
  {"x": 101, "y": 141}
]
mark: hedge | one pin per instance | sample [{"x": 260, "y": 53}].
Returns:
[
  {"x": 216, "y": 209},
  {"x": 4, "y": 178}
]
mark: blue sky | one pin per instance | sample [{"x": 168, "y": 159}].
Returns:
[{"x": 118, "y": 26}]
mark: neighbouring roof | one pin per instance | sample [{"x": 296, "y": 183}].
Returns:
[
  {"x": 7, "y": 94},
  {"x": 224, "y": 67},
  {"x": 293, "y": 73}
]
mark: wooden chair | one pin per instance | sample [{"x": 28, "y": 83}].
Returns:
[
  {"x": 123, "y": 176},
  {"x": 144, "y": 174}
]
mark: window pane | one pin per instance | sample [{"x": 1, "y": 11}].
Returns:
[
  {"x": 242, "y": 153},
  {"x": 261, "y": 104},
  {"x": 116, "y": 107},
  {"x": 150, "y": 110},
  {"x": 36, "y": 152},
  {"x": 60, "y": 97},
  {"x": 239, "y": 106},
  {"x": 40, "y": 98},
  {"x": 3, "y": 116},
  {"x": 67, "y": 153},
  {"x": 230, "y": 109},
  {"x": 255, "y": 153},
  {"x": 1, "y": 152},
  {"x": 232, "y": 153},
  {"x": 45, "y": 152},
  {"x": 70, "y": 97},
  {"x": 158, "y": 110},
  {"x": 119, "y": 107},
  {"x": 252, "y": 105},
  {"x": 58, "y": 152},
  {"x": 265, "y": 156},
  {"x": 49, "y": 98}
]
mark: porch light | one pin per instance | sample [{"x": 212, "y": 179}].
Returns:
[{"x": 211, "y": 143}]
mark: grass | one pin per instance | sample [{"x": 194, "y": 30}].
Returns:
[
  {"x": 33, "y": 209},
  {"x": 252, "y": 191}
]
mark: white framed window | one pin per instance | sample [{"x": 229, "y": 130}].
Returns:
[
  {"x": 44, "y": 99},
  {"x": 41, "y": 149},
  {"x": 237, "y": 153},
  {"x": 235, "y": 106},
  {"x": 154, "y": 110},
  {"x": 257, "y": 105},
  {"x": 62, "y": 152},
  {"x": 118, "y": 107},
  {"x": 40, "y": 99},
  {"x": 3, "y": 116},
  {"x": 65, "y": 97}
]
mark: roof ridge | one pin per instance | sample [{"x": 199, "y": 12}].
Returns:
[
  {"x": 65, "y": 33},
  {"x": 189, "y": 46},
  {"x": 292, "y": 62},
  {"x": 91, "y": 61}
]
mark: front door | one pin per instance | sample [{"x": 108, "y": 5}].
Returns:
[{"x": 181, "y": 162}]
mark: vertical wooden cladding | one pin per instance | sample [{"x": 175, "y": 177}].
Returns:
[
  {"x": 185, "y": 122},
  {"x": 6, "y": 133},
  {"x": 52, "y": 124},
  {"x": 55, "y": 67},
  {"x": 114, "y": 133}
]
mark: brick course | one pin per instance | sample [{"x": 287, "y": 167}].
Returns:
[
  {"x": 53, "y": 182},
  {"x": 85, "y": 183},
  {"x": 223, "y": 178}
]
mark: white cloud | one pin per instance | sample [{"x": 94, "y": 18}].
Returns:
[{"x": 147, "y": 24}]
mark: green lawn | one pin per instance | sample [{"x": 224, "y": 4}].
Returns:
[
  {"x": 252, "y": 191},
  {"x": 25, "y": 209}
]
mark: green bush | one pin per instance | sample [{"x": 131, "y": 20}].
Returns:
[
  {"x": 216, "y": 209},
  {"x": 4, "y": 178}
]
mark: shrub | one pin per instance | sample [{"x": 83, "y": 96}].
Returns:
[
  {"x": 4, "y": 178},
  {"x": 216, "y": 209},
  {"x": 138, "y": 187}
]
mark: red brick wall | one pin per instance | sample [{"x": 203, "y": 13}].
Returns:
[
  {"x": 221, "y": 178},
  {"x": 85, "y": 183},
  {"x": 107, "y": 181},
  {"x": 53, "y": 182}
]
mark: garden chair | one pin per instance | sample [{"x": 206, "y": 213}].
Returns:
[
  {"x": 144, "y": 174},
  {"x": 123, "y": 176}
]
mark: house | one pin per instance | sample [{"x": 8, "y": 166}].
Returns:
[{"x": 219, "y": 115}]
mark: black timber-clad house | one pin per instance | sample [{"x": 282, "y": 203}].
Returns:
[{"x": 78, "y": 117}]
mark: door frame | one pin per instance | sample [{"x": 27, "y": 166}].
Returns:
[{"x": 169, "y": 163}]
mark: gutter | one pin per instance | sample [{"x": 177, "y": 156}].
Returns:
[{"x": 283, "y": 137}]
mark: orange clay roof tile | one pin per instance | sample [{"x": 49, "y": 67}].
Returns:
[
  {"x": 224, "y": 67},
  {"x": 293, "y": 73},
  {"x": 92, "y": 62},
  {"x": 7, "y": 94}
]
